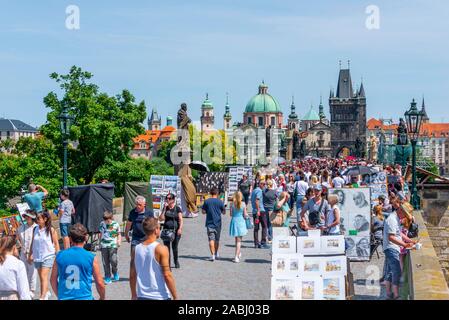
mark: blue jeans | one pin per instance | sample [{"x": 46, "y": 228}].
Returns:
[
  {"x": 299, "y": 199},
  {"x": 269, "y": 226},
  {"x": 392, "y": 266}
]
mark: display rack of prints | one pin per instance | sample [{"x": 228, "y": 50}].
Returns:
[
  {"x": 355, "y": 221},
  {"x": 320, "y": 273},
  {"x": 207, "y": 180},
  {"x": 235, "y": 175},
  {"x": 161, "y": 186},
  {"x": 379, "y": 186}
]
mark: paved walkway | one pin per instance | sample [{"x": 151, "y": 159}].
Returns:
[{"x": 198, "y": 279}]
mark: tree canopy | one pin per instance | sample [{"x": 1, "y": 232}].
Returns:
[{"x": 103, "y": 127}]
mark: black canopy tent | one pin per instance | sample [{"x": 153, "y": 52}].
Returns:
[{"x": 90, "y": 202}]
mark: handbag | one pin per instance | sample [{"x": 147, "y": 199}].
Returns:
[
  {"x": 168, "y": 235},
  {"x": 249, "y": 223},
  {"x": 278, "y": 217}
]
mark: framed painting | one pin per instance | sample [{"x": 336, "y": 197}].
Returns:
[
  {"x": 334, "y": 266},
  {"x": 286, "y": 264},
  {"x": 284, "y": 288},
  {"x": 284, "y": 245},
  {"x": 333, "y": 244},
  {"x": 309, "y": 245},
  {"x": 334, "y": 288},
  {"x": 310, "y": 288},
  {"x": 281, "y": 232},
  {"x": 311, "y": 266}
]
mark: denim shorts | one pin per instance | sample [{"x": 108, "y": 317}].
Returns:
[
  {"x": 392, "y": 267},
  {"x": 47, "y": 263},
  {"x": 213, "y": 233},
  {"x": 64, "y": 228}
]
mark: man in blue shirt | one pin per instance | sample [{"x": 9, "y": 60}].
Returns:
[
  {"x": 34, "y": 197},
  {"x": 213, "y": 208},
  {"x": 259, "y": 215},
  {"x": 73, "y": 269}
]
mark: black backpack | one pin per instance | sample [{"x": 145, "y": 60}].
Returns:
[{"x": 315, "y": 216}]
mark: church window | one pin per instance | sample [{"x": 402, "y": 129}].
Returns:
[
  {"x": 260, "y": 121},
  {"x": 250, "y": 120},
  {"x": 273, "y": 121}
]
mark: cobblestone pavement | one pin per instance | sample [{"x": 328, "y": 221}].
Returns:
[{"x": 198, "y": 279}]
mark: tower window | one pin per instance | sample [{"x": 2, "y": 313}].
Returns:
[
  {"x": 250, "y": 120},
  {"x": 273, "y": 121},
  {"x": 260, "y": 121}
]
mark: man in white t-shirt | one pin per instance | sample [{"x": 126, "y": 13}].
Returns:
[
  {"x": 338, "y": 181},
  {"x": 301, "y": 189}
]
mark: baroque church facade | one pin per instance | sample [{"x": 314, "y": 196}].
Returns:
[{"x": 262, "y": 134}]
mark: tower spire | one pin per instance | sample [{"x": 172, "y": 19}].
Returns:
[
  {"x": 423, "y": 110},
  {"x": 321, "y": 109}
]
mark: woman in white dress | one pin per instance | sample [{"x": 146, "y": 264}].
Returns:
[{"x": 13, "y": 276}]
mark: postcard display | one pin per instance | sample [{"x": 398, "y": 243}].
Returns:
[
  {"x": 161, "y": 186},
  {"x": 308, "y": 268},
  {"x": 355, "y": 221},
  {"x": 379, "y": 186},
  {"x": 235, "y": 175}
]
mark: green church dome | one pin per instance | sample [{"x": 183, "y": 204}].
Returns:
[
  {"x": 312, "y": 115},
  {"x": 263, "y": 102},
  {"x": 207, "y": 104}
]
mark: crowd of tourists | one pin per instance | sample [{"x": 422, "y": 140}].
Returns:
[{"x": 272, "y": 198}]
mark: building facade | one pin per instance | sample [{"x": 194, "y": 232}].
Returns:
[
  {"x": 15, "y": 129},
  {"x": 147, "y": 145},
  {"x": 348, "y": 116}
]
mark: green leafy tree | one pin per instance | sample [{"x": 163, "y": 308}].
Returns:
[
  {"x": 164, "y": 150},
  {"x": 103, "y": 127},
  {"x": 131, "y": 170},
  {"x": 33, "y": 160}
]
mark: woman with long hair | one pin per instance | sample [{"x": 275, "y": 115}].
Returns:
[
  {"x": 44, "y": 247},
  {"x": 237, "y": 228},
  {"x": 13, "y": 276}
]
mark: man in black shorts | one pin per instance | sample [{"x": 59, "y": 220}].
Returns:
[{"x": 213, "y": 208}]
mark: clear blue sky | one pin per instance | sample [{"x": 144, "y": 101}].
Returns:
[{"x": 168, "y": 52}]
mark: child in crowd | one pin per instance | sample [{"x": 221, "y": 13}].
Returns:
[
  {"x": 110, "y": 241},
  {"x": 66, "y": 211}
]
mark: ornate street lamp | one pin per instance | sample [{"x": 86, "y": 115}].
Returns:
[
  {"x": 65, "y": 121},
  {"x": 414, "y": 119}
]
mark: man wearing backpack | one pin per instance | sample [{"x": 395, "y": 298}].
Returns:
[{"x": 317, "y": 208}]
